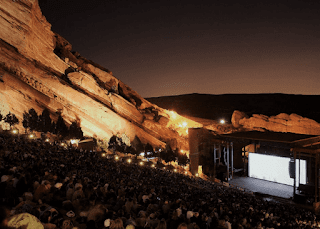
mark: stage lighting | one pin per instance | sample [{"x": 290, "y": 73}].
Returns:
[
  {"x": 222, "y": 121},
  {"x": 129, "y": 160},
  {"x": 103, "y": 155},
  {"x": 173, "y": 114}
]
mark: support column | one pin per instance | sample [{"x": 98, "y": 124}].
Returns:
[
  {"x": 219, "y": 153},
  {"x": 316, "y": 179},
  {"x": 299, "y": 168},
  {"x": 294, "y": 180},
  {"x": 243, "y": 151},
  {"x": 228, "y": 155},
  {"x": 232, "y": 160},
  {"x": 215, "y": 161}
]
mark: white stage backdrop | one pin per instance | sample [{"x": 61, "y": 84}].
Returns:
[{"x": 275, "y": 169}]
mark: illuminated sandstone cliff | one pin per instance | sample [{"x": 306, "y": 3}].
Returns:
[
  {"x": 39, "y": 70},
  {"x": 292, "y": 123}
]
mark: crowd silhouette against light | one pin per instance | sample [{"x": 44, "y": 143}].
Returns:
[{"x": 66, "y": 187}]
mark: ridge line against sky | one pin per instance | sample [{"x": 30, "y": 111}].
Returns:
[{"x": 208, "y": 47}]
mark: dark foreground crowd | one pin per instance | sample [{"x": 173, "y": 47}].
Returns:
[{"x": 45, "y": 185}]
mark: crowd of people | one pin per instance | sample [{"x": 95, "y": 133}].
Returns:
[{"x": 46, "y": 185}]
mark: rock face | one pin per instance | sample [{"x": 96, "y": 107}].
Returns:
[
  {"x": 292, "y": 123},
  {"x": 236, "y": 117},
  {"x": 39, "y": 70}
]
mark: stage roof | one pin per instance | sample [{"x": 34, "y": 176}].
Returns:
[{"x": 267, "y": 136}]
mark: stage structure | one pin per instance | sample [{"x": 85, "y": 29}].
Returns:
[
  {"x": 286, "y": 158},
  {"x": 211, "y": 152}
]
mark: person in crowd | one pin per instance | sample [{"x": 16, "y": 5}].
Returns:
[
  {"x": 116, "y": 224},
  {"x": 57, "y": 187}
]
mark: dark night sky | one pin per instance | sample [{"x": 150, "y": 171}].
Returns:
[{"x": 175, "y": 47}]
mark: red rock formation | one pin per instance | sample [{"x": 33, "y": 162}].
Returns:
[
  {"x": 38, "y": 69},
  {"x": 292, "y": 123}
]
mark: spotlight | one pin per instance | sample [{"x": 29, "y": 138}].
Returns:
[
  {"x": 103, "y": 155},
  {"x": 222, "y": 121},
  {"x": 173, "y": 114},
  {"x": 116, "y": 157},
  {"x": 197, "y": 175},
  {"x": 129, "y": 160},
  {"x": 15, "y": 131},
  {"x": 152, "y": 165},
  {"x": 31, "y": 136},
  {"x": 141, "y": 163},
  {"x": 175, "y": 170},
  {"x": 47, "y": 140}
]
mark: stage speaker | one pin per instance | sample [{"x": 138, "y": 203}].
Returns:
[{"x": 292, "y": 168}]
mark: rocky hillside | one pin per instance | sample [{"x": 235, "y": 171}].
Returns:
[
  {"x": 282, "y": 122},
  {"x": 272, "y": 112},
  {"x": 222, "y": 106},
  {"x": 38, "y": 69}
]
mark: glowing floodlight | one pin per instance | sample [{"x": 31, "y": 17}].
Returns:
[
  {"x": 62, "y": 144},
  {"x": 152, "y": 165},
  {"x": 197, "y": 174},
  {"x": 31, "y": 136},
  {"x": 222, "y": 121},
  {"x": 186, "y": 172},
  {"x": 103, "y": 155},
  {"x": 173, "y": 114},
  {"x": 47, "y": 140},
  {"x": 129, "y": 160},
  {"x": 141, "y": 163},
  {"x": 175, "y": 170},
  {"x": 181, "y": 151},
  {"x": 15, "y": 131},
  {"x": 116, "y": 157}
]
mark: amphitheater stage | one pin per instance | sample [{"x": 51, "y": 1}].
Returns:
[{"x": 263, "y": 187}]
